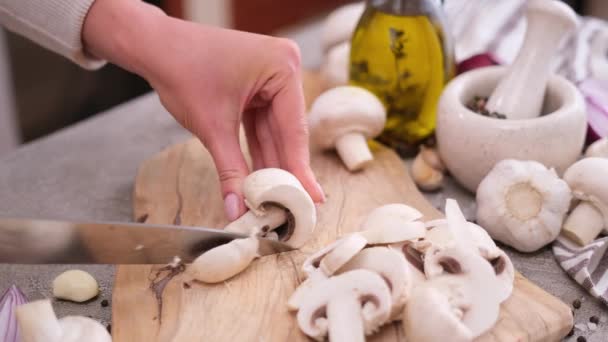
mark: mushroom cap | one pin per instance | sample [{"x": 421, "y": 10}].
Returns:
[
  {"x": 278, "y": 187},
  {"x": 391, "y": 266},
  {"x": 430, "y": 317},
  {"x": 333, "y": 256},
  {"x": 392, "y": 223},
  {"x": 368, "y": 287},
  {"x": 342, "y": 110},
  {"x": 340, "y": 24},
  {"x": 588, "y": 180},
  {"x": 224, "y": 261},
  {"x": 78, "y": 328},
  {"x": 465, "y": 274}
]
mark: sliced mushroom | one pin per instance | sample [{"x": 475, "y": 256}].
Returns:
[
  {"x": 470, "y": 284},
  {"x": 598, "y": 149},
  {"x": 38, "y": 323},
  {"x": 344, "y": 118},
  {"x": 391, "y": 266},
  {"x": 589, "y": 183},
  {"x": 392, "y": 223},
  {"x": 347, "y": 307},
  {"x": 522, "y": 204},
  {"x": 324, "y": 263},
  {"x": 279, "y": 207}
]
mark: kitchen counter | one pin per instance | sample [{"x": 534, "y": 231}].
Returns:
[{"x": 87, "y": 172}]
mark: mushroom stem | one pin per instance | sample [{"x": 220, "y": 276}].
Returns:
[
  {"x": 353, "y": 149},
  {"x": 584, "y": 224},
  {"x": 225, "y": 261},
  {"x": 345, "y": 317},
  {"x": 255, "y": 221},
  {"x": 37, "y": 322}
]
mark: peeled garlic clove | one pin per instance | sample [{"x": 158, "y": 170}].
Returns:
[
  {"x": 75, "y": 285},
  {"x": 425, "y": 176}
]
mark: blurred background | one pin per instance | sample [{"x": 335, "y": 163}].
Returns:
[{"x": 41, "y": 92}]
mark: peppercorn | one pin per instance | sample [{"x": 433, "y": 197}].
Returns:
[
  {"x": 581, "y": 339},
  {"x": 576, "y": 304},
  {"x": 594, "y": 319},
  {"x": 104, "y": 303}
]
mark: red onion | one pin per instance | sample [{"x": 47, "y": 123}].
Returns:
[
  {"x": 595, "y": 93},
  {"x": 12, "y": 298},
  {"x": 477, "y": 61}
]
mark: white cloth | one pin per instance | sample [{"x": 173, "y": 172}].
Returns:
[{"x": 54, "y": 24}]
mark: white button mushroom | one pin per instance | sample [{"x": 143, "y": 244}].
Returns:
[
  {"x": 392, "y": 267},
  {"x": 75, "y": 285},
  {"x": 340, "y": 24},
  {"x": 392, "y": 223},
  {"x": 278, "y": 204},
  {"x": 522, "y": 204},
  {"x": 598, "y": 149},
  {"x": 38, "y": 323},
  {"x": 348, "y": 307},
  {"x": 588, "y": 180},
  {"x": 335, "y": 68},
  {"x": 344, "y": 118}
]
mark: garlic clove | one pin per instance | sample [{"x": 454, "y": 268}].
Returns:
[
  {"x": 75, "y": 285},
  {"x": 426, "y": 177}
]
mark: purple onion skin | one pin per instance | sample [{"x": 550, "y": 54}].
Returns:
[
  {"x": 477, "y": 61},
  {"x": 9, "y": 330}
]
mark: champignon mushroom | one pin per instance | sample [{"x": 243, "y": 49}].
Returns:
[
  {"x": 324, "y": 263},
  {"x": 334, "y": 70},
  {"x": 391, "y": 266},
  {"x": 589, "y": 183},
  {"x": 522, "y": 204},
  {"x": 392, "y": 223},
  {"x": 339, "y": 25},
  {"x": 469, "y": 283},
  {"x": 38, "y": 323},
  {"x": 598, "y": 149},
  {"x": 344, "y": 118},
  {"x": 348, "y": 307},
  {"x": 278, "y": 204}
]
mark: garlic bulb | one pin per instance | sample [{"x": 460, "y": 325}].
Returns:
[{"x": 522, "y": 204}]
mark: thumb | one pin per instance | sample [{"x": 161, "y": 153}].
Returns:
[{"x": 232, "y": 169}]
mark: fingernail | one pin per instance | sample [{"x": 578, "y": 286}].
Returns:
[
  {"x": 320, "y": 189},
  {"x": 231, "y": 206}
]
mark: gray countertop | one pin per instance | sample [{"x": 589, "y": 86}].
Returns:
[{"x": 87, "y": 172}]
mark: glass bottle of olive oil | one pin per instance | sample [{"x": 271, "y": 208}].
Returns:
[{"x": 401, "y": 52}]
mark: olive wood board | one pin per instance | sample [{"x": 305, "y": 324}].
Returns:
[{"x": 180, "y": 185}]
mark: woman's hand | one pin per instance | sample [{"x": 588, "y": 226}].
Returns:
[{"x": 211, "y": 80}]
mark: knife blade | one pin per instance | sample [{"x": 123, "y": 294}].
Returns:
[{"x": 31, "y": 241}]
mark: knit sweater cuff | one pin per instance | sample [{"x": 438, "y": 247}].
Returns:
[{"x": 54, "y": 24}]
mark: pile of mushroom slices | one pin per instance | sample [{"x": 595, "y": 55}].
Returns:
[
  {"x": 279, "y": 208},
  {"x": 400, "y": 268}
]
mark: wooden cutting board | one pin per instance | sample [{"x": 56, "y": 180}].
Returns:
[{"x": 180, "y": 184}]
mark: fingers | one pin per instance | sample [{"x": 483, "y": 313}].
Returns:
[
  {"x": 266, "y": 140},
  {"x": 249, "y": 122},
  {"x": 288, "y": 123},
  {"x": 232, "y": 169}
]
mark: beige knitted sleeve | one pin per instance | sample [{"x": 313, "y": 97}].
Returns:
[{"x": 54, "y": 24}]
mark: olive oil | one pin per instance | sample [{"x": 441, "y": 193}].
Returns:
[{"x": 400, "y": 52}]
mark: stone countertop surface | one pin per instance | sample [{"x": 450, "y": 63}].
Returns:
[{"x": 87, "y": 171}]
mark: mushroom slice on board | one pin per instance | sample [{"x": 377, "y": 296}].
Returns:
[
  {"x": 344, "y": 118},
  {"x": 38, "y": 323},
  {"x": 392, "y": 223},
  {"x": 347, "y": 307},
  {"x": 278, "y": 205},
  {"x": 588, "y": 179},
  {"x": 325, "y": 263},
  {"x": 598, "y": 149},
  {"x": 392, "y": 267},
  {"x": 470, "y": 285}
]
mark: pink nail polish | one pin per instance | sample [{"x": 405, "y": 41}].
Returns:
[{"x": 231, "y": 206}]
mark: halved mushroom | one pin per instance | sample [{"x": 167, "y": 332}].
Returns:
[
  {"x": 344, "y": 118},
  {"x": 468, "y": 282},
  {"x": 598, "y": 149},
  {"x": 324, "y": 263},
  {"x": 587, "y": 179},
  {"x": 279, "y": 206},
  {"x": 392, "y": 267},
  {"x": 38, "y": 323},
  {"x": 348, "y": 307},
  {"x": 392, "y": 223}
]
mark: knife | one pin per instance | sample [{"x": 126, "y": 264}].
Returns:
[{"x": 28, "y": 241}]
